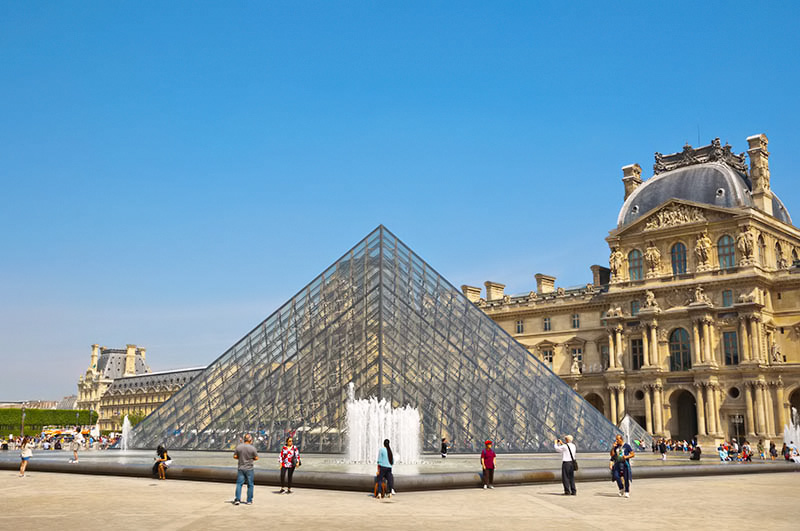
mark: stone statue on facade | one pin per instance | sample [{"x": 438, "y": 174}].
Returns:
[
  {"x": 745, "y": 244},
  {"x": 702, "y": 251},
  {"x": 575, "y": 368},
  {"x": 700, "y": 296},
  {"x": 653, "y": 258},
  {"x": 614, "y": 312},
  {"x": 775, "y": 353},
  {"x": 615, "y": 262},
  {"x": 650, "y": 300},
  {"x": 751, "y": 296}
]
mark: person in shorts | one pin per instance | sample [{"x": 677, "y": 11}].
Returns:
[
  {"x": 25, "y": 453},
  {"x": 77, "y": 442}
]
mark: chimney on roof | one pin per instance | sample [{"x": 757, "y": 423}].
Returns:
[
  {"x": 631, "y": 178},
  {"x": 545, "y": 284},
  {"x": 494, "y": 290},
  {"x": 471, "y": 292},
  {"x": 600, "y": 275},
  {"x": 130, "y": 360},
  {"x": 759, "y": 172},
  {"x": 93, "y": 364}
]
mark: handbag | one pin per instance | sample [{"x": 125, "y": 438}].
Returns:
[
  {"x": 296, "y": 460},
  {"x": 574, "y": 463}
]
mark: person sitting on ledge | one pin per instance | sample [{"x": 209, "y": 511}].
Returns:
[{"x": 695, "y": 453}]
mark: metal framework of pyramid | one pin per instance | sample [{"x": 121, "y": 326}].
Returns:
[{"x": 382, "y": 318}]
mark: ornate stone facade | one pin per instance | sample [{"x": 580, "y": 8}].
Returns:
[{"x": 694, "y": 329}]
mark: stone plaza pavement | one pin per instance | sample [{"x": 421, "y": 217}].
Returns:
[{"x": 51, "y": 501}]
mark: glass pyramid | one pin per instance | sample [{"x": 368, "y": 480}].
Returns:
[{"x": 382, "y": 318}]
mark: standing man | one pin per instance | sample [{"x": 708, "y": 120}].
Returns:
[
  {"x": 662, "y": 447},
  {"x": 77, "y": 442},
  {"x": 246, "y": 454},
  {"x": 568, "y": 451},
  {"x": 488, "y": 462},
  {"x": 444, "y": 447}
]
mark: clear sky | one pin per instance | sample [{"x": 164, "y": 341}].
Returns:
[{"x": 173, "y": 171}]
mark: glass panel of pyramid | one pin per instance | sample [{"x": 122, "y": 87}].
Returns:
[{"x": 383, "y": 319}]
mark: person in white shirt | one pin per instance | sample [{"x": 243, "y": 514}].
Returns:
[
  {"x": 568, "y": 451},
  {"x": 77, "y": 442}
]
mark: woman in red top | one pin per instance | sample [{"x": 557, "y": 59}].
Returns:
[
  {"x": 289, "y": 459},
  {"x": 488, "y": 458}
]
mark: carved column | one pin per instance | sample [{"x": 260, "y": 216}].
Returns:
[
  {"x": 759, "y": 392},
  {"x": 757, "y": 334},
  {"x": 711, "y": 415},
  {"x": 648, "y": 410},
  {"x": 620, "y": 351},
  {"x": 743, "y": 338},
  {"x": 748, "y": 414},
  {"x": 701, "y": 409},
  {"x": 717, "y": 403},
  {"x": 769, "y": 409},
  {"x": 753, "y": 331},
  {"x": 707, "y": 354},
  {"x": 781, "y": 408},
  {"x": 654, "y": 344},
  {"x": 695, "y": 344},
  {"x": 659, "y": 409},
  {"x": 612, "y": 355},
  {"x": 645, "y": 346},
  {"x": 621, "y": 401},
  {"x": 612, "y": 393}
]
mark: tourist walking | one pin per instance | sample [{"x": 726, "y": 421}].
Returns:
[
  {"x": 662, "y": 447},
  {"x": 289, "y": 459},
  {"x": 568, "y": 452},
  {"x": 25, "y": 454},
  {"x": 385, "y": 464},
  {"x": 77, "y": 442},
  {"x": 162, "y": 462},
  {"x": 246, "y": 454},
  {"x": 621, "y": 454},
  {"x": 488, "y": 463},
  {"x": 444, "y": 447},
  {"x": 773, "y": 451}
]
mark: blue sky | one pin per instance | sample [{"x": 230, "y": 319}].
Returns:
[{"x": 173, "y": 171}]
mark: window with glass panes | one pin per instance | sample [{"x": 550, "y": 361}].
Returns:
[
  {"x": 730, "y": 345},
  {"x": 634, "y": 307},
  {"x": 546, "y": 324},
  {"x": 637, "y": 354},
  {"x": 576, "y": 320},
  {"x": 727, "y": 297},
  {"x": 604, "y": 356},
  {"x": 547, "y": 356},
  {"x": 635, "y": 265},
  {"x": 778, "y": 255},
  {"x": 726, "y": 250},
  {"x": 520, "y": 327},
  {"x": 577, "y": 354},
  {"x": 678, "y": 255},
  {"x": 679, "y": 350}
]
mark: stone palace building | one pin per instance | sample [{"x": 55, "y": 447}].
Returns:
[{"x": 694, "y": 328}]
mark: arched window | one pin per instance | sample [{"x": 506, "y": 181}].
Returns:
[
  {"x": 762, "y": 251},
  {"x": 727, "y": 252},
  {"x": 778, "y": 255},
  {"x": 794, "y": 256},
  {"x": 679, "y": 350},
  {"x": 678, "y": 253},
  {"x": 635, "y": 265}
]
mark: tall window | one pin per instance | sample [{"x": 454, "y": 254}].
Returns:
[
  {"x": 604, "y": 356},
  {"x": 762, "y": 251},
  {"x": 726, "y": 250},
  {"x": 794, "y": 256},
  {"x": 727, "y": 298},
  {"x": 678, "y": 253},
  {"x": 635, "y": 265},
  {"x": 576, "y": 320},
  {"x": 680, "y": 353},
  {"x": 778, "y": 255},
  {"x": 731, "y": 347},
  {"x": 637, "y": 354},
  {"x": 547, "y": 357},
  {"x": 546, "y": 324},
  {"x": 634, "y": 308},
  {"x": 520, "y": 327}
]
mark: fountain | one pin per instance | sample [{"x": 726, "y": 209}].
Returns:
[
  {"x": 634, "y": 434},
  {"x": 791, "y": 432},
  {"x": 126, "y": 434},
  {"x": 370, "y": 421}
]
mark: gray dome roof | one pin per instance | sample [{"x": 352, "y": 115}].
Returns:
[{"x": 712, "y": 183}]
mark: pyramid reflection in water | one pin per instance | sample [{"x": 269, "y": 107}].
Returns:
[{"x": 382, "y": 318}]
